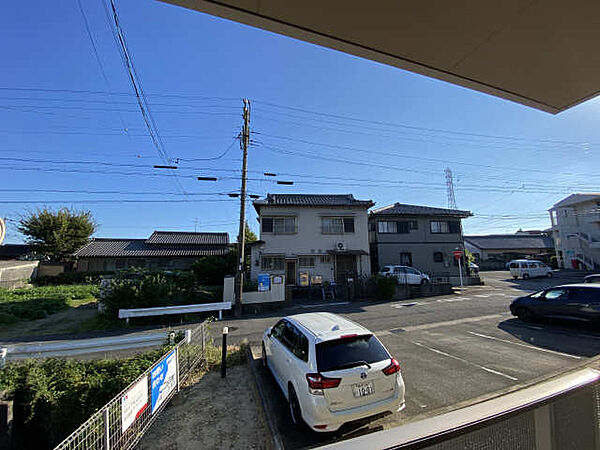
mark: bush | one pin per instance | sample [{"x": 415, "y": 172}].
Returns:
[
  {"x": 210, "y": 270},
  {"x": 53, "y": 397},
  {"x": 386, "y": 286},
  {"x": 39, "y": 302},
  {"x": 144, "y": 289},
  {"x": 66, "y": 278}
]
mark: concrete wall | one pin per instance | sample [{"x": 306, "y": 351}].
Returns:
[
  {"x": 50, "y": 269},
  {"x": 421, "y": 243},
  {"x": 16, "y": 274},
  {"x": 577, "y": 231},
  {"x": 274, "y": 295},
  {"x": 308, "y": 240}
]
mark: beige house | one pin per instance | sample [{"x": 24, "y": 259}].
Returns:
[
  {"x": 576, "y": 231},
  {"x": 311, "y": 238}
]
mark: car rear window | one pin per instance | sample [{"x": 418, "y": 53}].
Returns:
[
  {"x": 514, "y": 265},
  {"x": 385, "y": 269},
  {"x": 332, "y": 355}
]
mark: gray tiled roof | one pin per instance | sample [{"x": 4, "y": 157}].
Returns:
[
  {"x": 333, "y": 200},
  {"x": 416, "y": 210},
  {"x": 511, "y": 242},
  {"x": 187, "y": 238},
  {"x": 138, "y": 248}
]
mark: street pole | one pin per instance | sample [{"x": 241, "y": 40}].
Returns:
[
  {"x": 460, "y": 272},
  {"x": 242, "y": 232}
]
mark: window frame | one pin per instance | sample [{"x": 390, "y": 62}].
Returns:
[
  {"x": 344, "y": 225},
  {"x": 274, "y": 220},
  {"x": 305, "y": 257},
  {"x": 387, "y": 223},
  {"x": 272, "y": 266},
  {"x": 438, "y": 257}
]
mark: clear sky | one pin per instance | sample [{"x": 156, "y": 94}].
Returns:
[{"x": 330, "y": 122}]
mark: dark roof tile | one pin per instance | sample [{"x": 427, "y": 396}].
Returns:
[
  {"x": 137, "y": 248},
  {"x": 312, "y": 200},
  {"x": 416, "y": 210},
  {"x": 511, "y": 242},
  {"x": 187, "y": 238}
]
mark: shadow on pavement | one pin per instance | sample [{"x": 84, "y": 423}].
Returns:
[{"x": 564, "y": 336}]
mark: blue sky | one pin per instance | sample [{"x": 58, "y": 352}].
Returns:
[{"x": 330, "y": 122}]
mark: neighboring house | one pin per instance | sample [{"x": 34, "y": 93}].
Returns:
[
  {"x": 162, "y": 250},
  {"x": 576, "y": 231},
  {"x": 315, "y": 237},
  {"x": 14, "y": 251},
  {"x": 493, "y": 251},
  {"x": 416, "y": 236}
]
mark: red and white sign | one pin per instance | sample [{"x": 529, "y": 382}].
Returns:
[
  {"x": 133, "y": 403},
  {"x": 457, "y": 254}
]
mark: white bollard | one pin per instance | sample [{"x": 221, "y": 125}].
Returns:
[{"x": 3, "y": 353}]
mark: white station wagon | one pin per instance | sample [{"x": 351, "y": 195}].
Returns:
[{"x": 331, "y": 370}]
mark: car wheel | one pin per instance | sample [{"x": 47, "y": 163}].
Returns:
[
  {"x": 525, "y": 276},
  {"x": 550, "y": 274},
  {"x": 524, "y": 314},
  {"x": 424, "y": 281},
  {"x": 264, "y": 357},
  {"x": 295, "y": 412}
]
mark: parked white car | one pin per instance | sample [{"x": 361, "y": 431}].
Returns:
[
  {"x": 405, "y": 274},
  {"x": 529, "y": 268},
  {"x": 331, "y": 370}
]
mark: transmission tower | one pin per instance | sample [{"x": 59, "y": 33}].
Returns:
[{"x": 450, "y": 189}]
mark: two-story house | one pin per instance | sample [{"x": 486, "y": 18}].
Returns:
[
  {"x": 576, "y": 231},
  {"x": 311, "y": 237},
  {"x": 416, "y": 236}
]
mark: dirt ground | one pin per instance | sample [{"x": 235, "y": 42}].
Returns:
[{"x": 212, "y": 413}]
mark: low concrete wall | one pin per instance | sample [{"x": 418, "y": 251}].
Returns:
[
  {"x": 16, "y": 274},
  {"x": 404, "y": 291},
  {"x": 274, "y": 295},
  {"x": 50, "y": 269}
]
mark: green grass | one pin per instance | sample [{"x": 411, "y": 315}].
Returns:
[{"x": 39, "y": 302}]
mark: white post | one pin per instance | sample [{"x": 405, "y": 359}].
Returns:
[
  {"x": 106, "y": 429},
  {"x": 188, "y": 336},
  {"x": 220, "y": 314},
  {"x": 3, "y": 353},
  {"x": 460, "y": 272},
  {"x": 177, "y": 365}
]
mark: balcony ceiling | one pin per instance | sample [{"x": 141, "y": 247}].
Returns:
[{"x": 540, "y": 54}]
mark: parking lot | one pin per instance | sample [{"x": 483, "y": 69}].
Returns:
[{"x": 454, "y": 350}]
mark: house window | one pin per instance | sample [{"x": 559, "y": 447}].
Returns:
[
  {"x": 445, "y": 226},
  {"x": 387, "y": 227},
  {"x": 120, "y": 264},
  {"x": 272, "y": 263},
  {"x": 337, "y": 225},
  {"x": 406, "y": 259},
  {"x": 278, "y": 225},
  {"x": 413, "y": 225},
  {"x": 306, "y": 261},
  {"x": 325, "y": 259},
  {"x": 438, "y": 257}
]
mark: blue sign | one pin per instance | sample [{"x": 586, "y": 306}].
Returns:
[
  {"x": 264, "y": 282},
  {"x": 163, "y": 379}
]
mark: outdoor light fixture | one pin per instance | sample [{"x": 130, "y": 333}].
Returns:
[
  {"x": 207, "y": 178},
  {"x": 289, "y": 183},
  {"x": 269, "y": 174},
  {"x": 165, "y": 167}
]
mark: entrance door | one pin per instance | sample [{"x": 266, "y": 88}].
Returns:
[
  {"x": 290, "y": 272},
  {"x": 345, "y": 267}
]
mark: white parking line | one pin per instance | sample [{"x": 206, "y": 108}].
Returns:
[
  {"x": 482, "y": 295},
  {"x": 487, "y": 369},
  {"x": 485, "y": 336}
]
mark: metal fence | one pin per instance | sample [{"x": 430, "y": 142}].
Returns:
[{"x": 121, "y": 423}]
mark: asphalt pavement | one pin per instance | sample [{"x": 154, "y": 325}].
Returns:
[{"x": 454, "y": 350}]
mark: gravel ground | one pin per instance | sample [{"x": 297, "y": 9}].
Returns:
[{"x": 211, "y": 413}]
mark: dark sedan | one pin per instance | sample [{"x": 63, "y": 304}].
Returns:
[{"x": 570, "y": 301}]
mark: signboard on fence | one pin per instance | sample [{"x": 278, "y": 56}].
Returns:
[
  {"x": 163, "y": 379},
  {"x": 133, "y": 403},
  {"x": 264, "y": 282}
]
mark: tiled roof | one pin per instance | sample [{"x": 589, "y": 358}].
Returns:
[
  {"x": 511, "y": 242},
  {"x": 187, "y": 238},
  {"x": 416, "y": 210},
  {"x": 310, "y": 200},
  {"x": 574, "y": 199},
  {"x": 138, "y": 248}
]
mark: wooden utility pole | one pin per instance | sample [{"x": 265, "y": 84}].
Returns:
[{"x": 245, "y": 140}]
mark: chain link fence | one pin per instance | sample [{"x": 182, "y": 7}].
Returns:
[{"x": 122, "y": 422}]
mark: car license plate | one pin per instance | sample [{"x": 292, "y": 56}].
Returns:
[{"x": 362, "y": 389}]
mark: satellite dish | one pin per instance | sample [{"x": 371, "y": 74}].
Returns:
[{"x": 2, "y": 230}]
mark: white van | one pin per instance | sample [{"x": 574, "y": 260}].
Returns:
[{"x": 529, "y": 268}]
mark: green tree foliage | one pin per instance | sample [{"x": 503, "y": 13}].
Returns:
[
  {"x": 57, "y": 234},
  {"x": 210, "y": 270},
  {"x": 386, "y": 286},
  {"x": 249, "y": 235}
]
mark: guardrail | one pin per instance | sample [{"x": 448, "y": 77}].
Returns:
[
  {"x": 182, "y": 309},
  {"x": 560, "y": 413},
  {"x": 121, "y": 423},
  {"x": 83, "y": 346}
]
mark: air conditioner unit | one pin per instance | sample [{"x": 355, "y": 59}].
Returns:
[{"x": 340, "y": 246}]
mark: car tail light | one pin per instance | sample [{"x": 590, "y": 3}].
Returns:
[
  {"x": 346, "y": 336},
  {"x": 318, "y": 381},
  {"x": 392, "y": 368},
  {"x": 320, "y": 427}
]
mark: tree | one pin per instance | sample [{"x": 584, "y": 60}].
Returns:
[
  {"x": 57, "y": 234},
  {"x": 250, "y": 236}
]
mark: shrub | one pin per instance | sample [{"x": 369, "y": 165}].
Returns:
[
  {"x": 66, "y": 278},
  {"x": 210, "y": 270},
  {"x": 386, "y": 286},
  {"x": 53, "y": 397}
]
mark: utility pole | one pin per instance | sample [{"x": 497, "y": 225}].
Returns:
[{"x": 245, "y": 140}]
